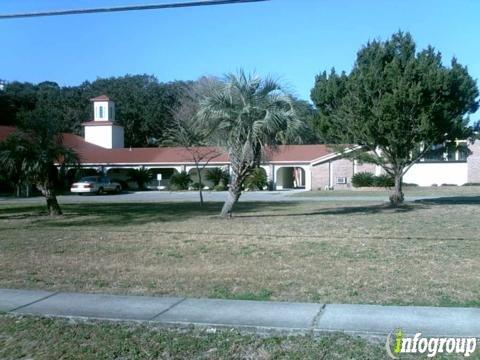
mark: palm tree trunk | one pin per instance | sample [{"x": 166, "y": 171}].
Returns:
[
  {"x": 234, "y": 193},
  {"x": 52, "y": 203}
]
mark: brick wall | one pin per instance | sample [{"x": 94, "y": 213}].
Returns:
[
  {"x": 342, "y": 168},
  {"x": 473, "y": 162},
  {"x": 365, "y": 168},
  {"x": 320, "y": 176}
]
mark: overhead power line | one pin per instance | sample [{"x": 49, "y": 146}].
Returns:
[{"x": 126, "y": 8}]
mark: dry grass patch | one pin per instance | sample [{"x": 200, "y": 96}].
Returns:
[{"x": 361, "y": 253}]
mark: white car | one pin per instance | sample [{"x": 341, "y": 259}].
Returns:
[{"x": 96, "y": 184}]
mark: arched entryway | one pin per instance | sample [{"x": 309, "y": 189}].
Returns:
[
  {"x": 122, "y": 176},
  {"x": 75, "y": 174},
  {"x": 290, "y": 177},
  {"x": 161, "y": 177}
]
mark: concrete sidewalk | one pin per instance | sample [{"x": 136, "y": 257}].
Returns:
[{"x": 258, "y": 316}]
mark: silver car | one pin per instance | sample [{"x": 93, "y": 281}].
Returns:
[{"x": 96, "y": 184}]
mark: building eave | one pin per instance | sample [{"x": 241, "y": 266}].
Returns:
[{"x": 334, "y": 155}]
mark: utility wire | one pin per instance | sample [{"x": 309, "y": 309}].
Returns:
[{"x": 126, "y": 8}]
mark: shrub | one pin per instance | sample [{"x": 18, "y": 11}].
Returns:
[
  {"x": 409, "y": 184},
  {"x": 471, "y": 184},
  {"x": 384, "y": 180},
  {"x": 363, "y": 179},
  {"x": 448, "y": 185},
  {"x": 217, "y": 176},
  {"x": 257, "y": 180},
  {"x": 270, "y": 185},
  {"x": 180, "y": 181},
  {"x": 196, "y": 186},
  {"x": 219, "y": 187},
  {"x": 140, "y": 176},
  {"x": 366, "y": 179}
]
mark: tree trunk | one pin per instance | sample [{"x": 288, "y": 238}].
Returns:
[
  {"x": 200, "y": 190},
  {"x": 52, "y": 203},
  {"x": 397, "y": 197},
  {"x": 234, "y": 193}
]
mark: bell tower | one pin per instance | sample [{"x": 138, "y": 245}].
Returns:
[
  {"x": 103, "y": 109},
  {"x": 102, "y": 130}
]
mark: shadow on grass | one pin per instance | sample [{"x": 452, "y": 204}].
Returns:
[
  {"x": 347, "y": 210},
  {"x": 451, "y": 200},
  {"x": 126, "y": 214}
]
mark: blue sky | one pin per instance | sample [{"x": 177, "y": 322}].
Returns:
[{"x": 290, "y": 39}]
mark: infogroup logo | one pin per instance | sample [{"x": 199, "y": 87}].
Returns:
[{"x": 397, "y": 343}]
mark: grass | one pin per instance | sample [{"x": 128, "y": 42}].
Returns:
[
  {"x": 408, "y": 190},
  {"x": 46, "y": 338},
  {"x": 422, "y": 253}
]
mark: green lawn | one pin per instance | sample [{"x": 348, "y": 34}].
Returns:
[
  {"x": 408, "y": 190},
  {"x": 40, "y": 338},
  {"x": 422, "y": 253}
]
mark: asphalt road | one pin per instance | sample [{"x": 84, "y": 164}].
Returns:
[{"x": 192, "y": 196}]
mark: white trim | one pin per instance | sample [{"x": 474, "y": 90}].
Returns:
[
  {"x": 302, "y": 162},
  {"x": 333, "y": 155},
  {"x": 330, "y": 173},
  {"x": 286, "y": 163},
  {"x": 149, "y": 164}
]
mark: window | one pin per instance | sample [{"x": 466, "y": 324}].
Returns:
[
  {"x": 100, "y": 112},
  {"x": 341, "y": 180},
  {"x": 450, "y": 151}
]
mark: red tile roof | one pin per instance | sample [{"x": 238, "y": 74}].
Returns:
[
  {"x": 5, "y": 131},
  {"x": 93, "y": 154},
  {"x": 298, "y": 153},
  {"x": 101, "y": 98}
]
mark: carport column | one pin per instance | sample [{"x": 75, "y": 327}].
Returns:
[
  {"x": 268, "y": 172},
  {"x": 273, "y": 174},
  {"x": 188, "y": 168},
  {"x": 308, "y": 177},
  {"x": 330, "y": 174}
]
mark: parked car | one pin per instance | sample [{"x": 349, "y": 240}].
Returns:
[{"x": 95, "y": 184}]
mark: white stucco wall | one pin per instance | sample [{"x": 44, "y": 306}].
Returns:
[
  {"x": 108, "y": 111},
  {"x": 106, "y": 136},
  {"x": 426, "y": 174},
  {"x": 117, "y": 137}
]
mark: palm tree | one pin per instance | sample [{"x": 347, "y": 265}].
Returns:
[
  {"x": 36, "y": 152},
  {"x": 247, "y": 115},
  {"x": 190, "y": 133},
  {"x": 141, "y": 176},
  {"x": 13, "y": 155},
  {"x": 217, "y": 176}
]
